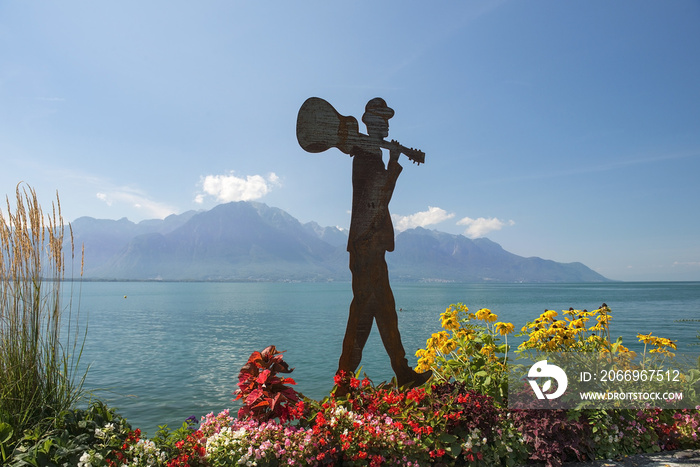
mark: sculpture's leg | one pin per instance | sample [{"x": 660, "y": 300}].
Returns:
[
  {"x": 356, "y": 335},
  {"x": 361, "y": 315},
  {"x": 388, "y": 325}
]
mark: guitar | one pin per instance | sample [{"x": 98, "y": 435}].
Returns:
[{"x": 321, "y": 127}]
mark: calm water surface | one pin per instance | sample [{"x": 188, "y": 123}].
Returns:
[{"x": 161, "y": 352}]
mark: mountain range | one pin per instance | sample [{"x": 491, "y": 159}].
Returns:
[{"x": 250, "y": 241}]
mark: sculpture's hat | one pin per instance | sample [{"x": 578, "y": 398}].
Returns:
[{"x": 378, "y": 107}]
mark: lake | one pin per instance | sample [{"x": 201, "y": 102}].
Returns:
[{"x": 163, "y": 351}]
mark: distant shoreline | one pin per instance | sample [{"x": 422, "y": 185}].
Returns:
[{"x": 336, "y": 281}]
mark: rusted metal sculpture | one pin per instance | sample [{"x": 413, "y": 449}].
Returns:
[{"x": 320, "y": 127}]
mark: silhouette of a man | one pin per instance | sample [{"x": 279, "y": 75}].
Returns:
[{"x": 371, "y": 235}]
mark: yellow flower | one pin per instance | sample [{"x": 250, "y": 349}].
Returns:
[
  {"x": 424, "y": 364},
  {"x": 578, "y": 323},
  {"x": 662, "y": 351},
  {"x": 504, "y": 328},
  {"x": 644, "y": 338},
  {"x": 467, "y": 334},
  {"x": 604, "y": 319},
  {"x": 558, "y": 324},
  {"x": 657, "y": 341},
  {"x": 449, "y": 321},
  {"x": 538, "y": 335},
  {"x": 549, "y": 315},
  {"x": 548, "y": 346},
  {"x": 448, "y": 346},
  {"x": 486, "y": 315},
  {"x": 483, "y": 314},
  {"x": 622, "y": 349},
  {"x": 662, "y": 341},
  {"x": 668, "y": 343}
]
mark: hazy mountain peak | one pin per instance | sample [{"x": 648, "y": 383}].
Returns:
[{"x": 253, "y": 241}]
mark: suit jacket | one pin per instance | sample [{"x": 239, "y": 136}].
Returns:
[{"x": 372, "y": 187}]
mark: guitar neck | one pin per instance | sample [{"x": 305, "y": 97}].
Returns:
[{"x": 415, "y": 155}]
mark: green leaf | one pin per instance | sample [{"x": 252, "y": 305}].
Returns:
[
  {"x": 5, "y": 432},
  {"x": 447, "y": 438},
  {"x": 481, "y": 373}
]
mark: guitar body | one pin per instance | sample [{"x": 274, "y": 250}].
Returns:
[{"x": 321, "y": 127}]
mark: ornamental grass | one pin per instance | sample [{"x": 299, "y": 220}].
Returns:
[{"x": 39, "y": 338}]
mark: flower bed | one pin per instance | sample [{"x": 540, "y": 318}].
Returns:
[{"x": 460, "y": 417}]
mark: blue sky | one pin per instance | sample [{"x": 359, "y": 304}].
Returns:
[{"x": 565, "y": 130}]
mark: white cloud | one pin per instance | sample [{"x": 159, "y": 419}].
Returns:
[
  {"x": 105, "y": 198},
  {"x": 138, "y": 200},
  {"x": 421, "y": 219},
  {"x": 226, "y": 188},
  {"x": 480, "y": 227}
]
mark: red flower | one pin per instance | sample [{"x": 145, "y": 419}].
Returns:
[
  {"x": 416, "y": 395},
  {"x": 320, "y": 421}
]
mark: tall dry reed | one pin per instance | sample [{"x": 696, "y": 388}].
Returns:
[{"x": 40, "y": 344}]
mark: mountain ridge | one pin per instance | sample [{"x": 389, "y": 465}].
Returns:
[{"x": 251, "y": 241}]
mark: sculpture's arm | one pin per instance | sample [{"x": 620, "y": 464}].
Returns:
[{"x": 392, "y": 174}]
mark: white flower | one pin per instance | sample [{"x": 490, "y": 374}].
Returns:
[{"x": 85, "y": 460}]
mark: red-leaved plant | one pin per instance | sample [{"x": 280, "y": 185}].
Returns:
[{"x": 266, "y": 395}]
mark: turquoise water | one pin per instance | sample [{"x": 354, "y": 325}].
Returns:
[{"x": 162, "y": 351}]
